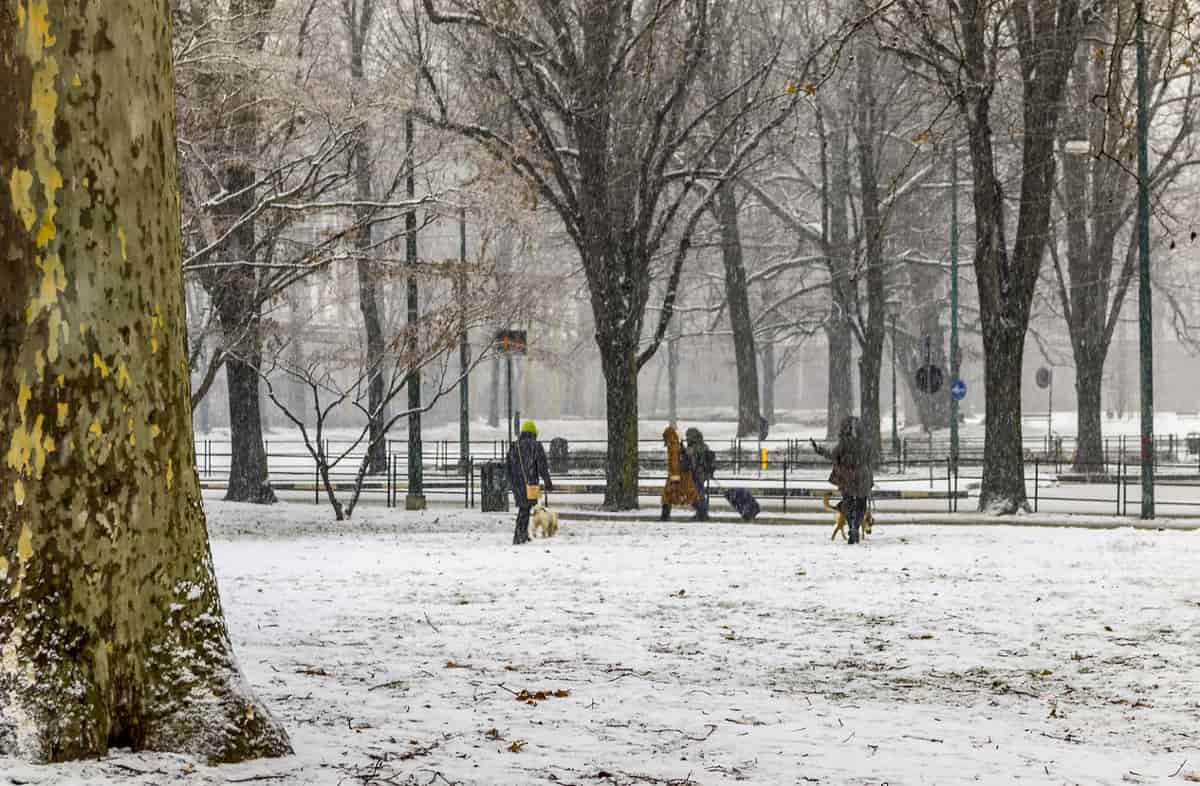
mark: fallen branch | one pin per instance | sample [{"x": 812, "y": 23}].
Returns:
[
  {"x": 259, "y": 778},
  {"x": 1179, "y": 769},
  {"x": 134, "y": 770},
  {"x": 710, "y": 726},
  {"x": 926, "y": 739},
  {"x": 435, "y": 627}
]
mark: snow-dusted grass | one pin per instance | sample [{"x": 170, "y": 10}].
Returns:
[{"x": 392, "y": 647}]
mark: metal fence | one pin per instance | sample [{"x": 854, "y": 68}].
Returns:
[{"x": 921, "y": 470}]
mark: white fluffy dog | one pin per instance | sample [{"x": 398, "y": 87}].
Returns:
[{"x": 543, "y": 520}]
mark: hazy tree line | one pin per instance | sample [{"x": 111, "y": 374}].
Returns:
[{"x": 776, "y": 173}]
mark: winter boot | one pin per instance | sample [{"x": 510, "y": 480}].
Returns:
[
  {"x": 853, "y": 533},
  {"x": 666, "y": 513}
]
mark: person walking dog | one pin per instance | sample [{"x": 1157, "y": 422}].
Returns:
[
  {"x": 527, "y": 467},
  {"x": 680, "y": 488},
  {"x": 852, "y": 473}
]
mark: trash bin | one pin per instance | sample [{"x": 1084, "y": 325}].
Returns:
[
  {"x": 493, "y": 487},
  {"x": 560, "y": 456}
]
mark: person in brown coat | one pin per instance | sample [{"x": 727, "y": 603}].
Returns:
[{"x": 680, "y": 488}]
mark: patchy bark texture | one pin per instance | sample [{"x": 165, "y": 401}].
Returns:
[
  {"x": 740, "y": 321},
  {"x": 111, "y": 630}
]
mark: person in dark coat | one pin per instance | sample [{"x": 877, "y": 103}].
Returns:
[
  {"x": 852, "y": 473},
  {"x": 527, "y": 466},
  {"x": 699, "y": 461},
  {"x": 680, "y": 489}
]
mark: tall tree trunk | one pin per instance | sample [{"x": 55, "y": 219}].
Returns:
[
  {"x": 838, "y": 331},
  {"x": 110, "y": 620},
  {"x": 768, "y": 381},
  {"x": 673, "y": 380},
  {"x": 738, "y": 296},
  {"x": 235, "y": 293},
  {"x": 867, "y": 127},
  {"x": 358, "y": 27},
  {"x": 493, "y": 412}
]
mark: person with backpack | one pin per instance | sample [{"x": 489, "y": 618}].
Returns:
[
  {"x": 700, "y": 463},
  {"x": 852, "y": 473},
  {"x": 527, "y": 467},
  {"x": 680, "y": 489}
]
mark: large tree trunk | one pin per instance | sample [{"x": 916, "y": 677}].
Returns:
[
  {"x": 736, "y": 293},
  {"x": 110, "y": 619},
  {"x": 621, "y": 405},
  {"x": 1089, "y": 376},
  {"x": 1003, "y": 487},
  {"x": 249, "y": 475}
]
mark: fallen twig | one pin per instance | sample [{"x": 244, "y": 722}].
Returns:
[
  {"x": 926, "y": 739},
  {"x": 134, "y": 770},
  {"x": 710, "y": 726},
  {"x": 435, "y": 627},
  {"x": 259, "y": 778},
  {"x": 1179, "y": 769}
]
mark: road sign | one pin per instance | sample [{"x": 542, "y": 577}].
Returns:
[
  {"x": 510, "y": 341},
  {"x": 929, "y": 379},
  {"x": 958, "y": 390},
  {"x": 1044, "y": 377}
]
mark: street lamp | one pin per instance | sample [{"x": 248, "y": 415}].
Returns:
[{"x": 893, "y": 310}]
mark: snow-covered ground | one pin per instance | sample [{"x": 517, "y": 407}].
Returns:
[{"x": 395, "y": 649}]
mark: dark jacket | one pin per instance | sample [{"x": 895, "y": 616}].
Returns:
[
  {"x": 526, "y": 465},
  {"x": 697, "y": 459},
  {"x": 852, "y": 472}
]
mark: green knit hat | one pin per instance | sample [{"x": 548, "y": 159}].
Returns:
[{"x": 528, "y": 427}]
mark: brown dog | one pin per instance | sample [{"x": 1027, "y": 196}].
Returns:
[{"x": 840, "y": 521}]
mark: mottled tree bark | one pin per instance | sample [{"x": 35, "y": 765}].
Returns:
[{"x": 111, "y": 629}]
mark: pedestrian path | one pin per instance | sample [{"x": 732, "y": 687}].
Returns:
[{"x": 964, "y": 519}]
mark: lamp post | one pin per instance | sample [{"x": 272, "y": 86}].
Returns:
[
  {"x": 1145, "y": 330},
  {"x": 893, "y": 309},
  {"x": 954, "y": 353},
  {"x": 464, "y": 350}
]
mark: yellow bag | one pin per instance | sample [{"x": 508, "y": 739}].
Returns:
[
  {"x": 675, "y": 478},
  {"x": 533, "y": 492}
]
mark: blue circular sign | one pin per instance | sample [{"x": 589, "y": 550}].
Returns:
[{"x": 958, "y": 390}]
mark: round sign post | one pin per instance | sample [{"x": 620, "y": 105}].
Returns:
[{"x": 958, "y": 390}]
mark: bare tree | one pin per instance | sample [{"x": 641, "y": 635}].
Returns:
[
  {"x": 606, "y": 98},
  {"x": 975, "y": 49},
  {"x": 1098, "y": 189}
]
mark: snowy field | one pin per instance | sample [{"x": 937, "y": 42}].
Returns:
[{"x": 423, "y": 649}]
